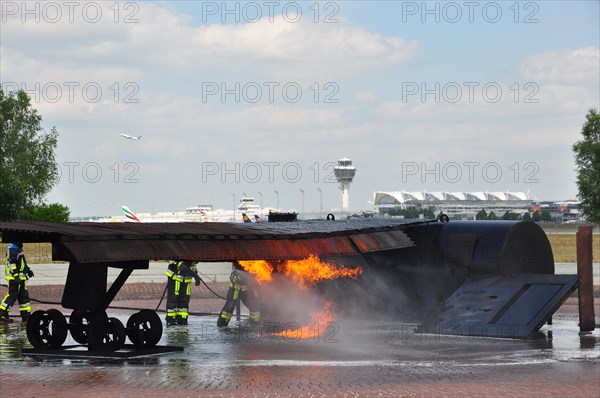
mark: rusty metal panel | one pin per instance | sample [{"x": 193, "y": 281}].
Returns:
[
  {"x": 115, "y": 242},
  {"x": 284, "y": 230},
  {"x": 333, "y": 245},
  {"x": 203, "y": 250},
  {"x": 586, "y": 281},
  {"x": 504, "y": 306},
  {"x": 384, "y": 240}
]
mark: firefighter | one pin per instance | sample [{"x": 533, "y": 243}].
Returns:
[
  {"x": 179, "y": 286},
  {"x": 17, "y": 272},
  {"x": 240, "y": 288}
]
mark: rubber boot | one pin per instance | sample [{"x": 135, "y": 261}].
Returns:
[{"x": 4, "y": 316}]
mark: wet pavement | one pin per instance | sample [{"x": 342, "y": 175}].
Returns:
[{"x": 352, "y": 358}]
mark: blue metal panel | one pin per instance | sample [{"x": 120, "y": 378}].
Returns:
[{"x": 503, "y": 306}]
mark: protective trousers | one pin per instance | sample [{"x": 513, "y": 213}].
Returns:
[
  {"x": 178, "y": 301},
  {"x": 17, "y": 290},
  {"x": 249, "y": 298}
]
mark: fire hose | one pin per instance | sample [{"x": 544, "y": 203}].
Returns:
[
  {"x": 132, "y": 308},
  {"x": 201, "y": 280}
]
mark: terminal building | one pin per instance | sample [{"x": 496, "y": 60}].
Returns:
[{"x": 457, "y": 205}]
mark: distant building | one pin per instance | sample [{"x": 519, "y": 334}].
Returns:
[
  {"x": 344, "y": 173},
  {"x": 560, "y": 211},
  {"x": 466, "y": 205}
]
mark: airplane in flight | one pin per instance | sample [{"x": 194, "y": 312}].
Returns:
[{"x": 131, "y": 137}]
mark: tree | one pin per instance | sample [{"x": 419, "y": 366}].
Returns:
[
  {"x": 587, "y": 160},
  {"x": 546, "y": 216},
  {"x": 54, "y": 212},
  {"x": 492, "y": 216},
  {"x": 481, "y": 215},
  {"x": 28, "y": 169},
  {"x": 526, "y": 217},
  {"x": 411, "y": 213},
  {"x": 536, "y": 217},
  {"x": 511, "y": 216}
]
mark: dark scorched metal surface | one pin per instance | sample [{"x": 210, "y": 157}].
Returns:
[{"x": 87, "y": 242}]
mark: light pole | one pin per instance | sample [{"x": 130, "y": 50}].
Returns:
[
  {"x": 260, "y": 194},
  {"x": 233, "y": 195},
  {"x": 302, "y": 193},
  {"x": 277, "y": 193},
  {"x": 321, "y": 200}
]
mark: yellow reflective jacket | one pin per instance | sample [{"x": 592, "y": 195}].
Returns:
[{"x": 16, "y": 265}]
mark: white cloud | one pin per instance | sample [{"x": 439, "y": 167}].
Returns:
[
  {"x": 169, "y": 56},
  {"x": 277, "y": 49},
  {"x": 25, "y": 67},
  {"x": 579, "y": 66},
  {"x": 271, "y": 50},
  {"x": 553, "y": 83},
  {"x": 365, "y": 96}
]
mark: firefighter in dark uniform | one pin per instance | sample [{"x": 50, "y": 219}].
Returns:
[
  {"x": 242, "y": 288},
  {"x": 179, "y": 286},
  {"x": 17, "y": 272}
]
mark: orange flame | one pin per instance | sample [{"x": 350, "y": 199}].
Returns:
[
  {"x": 260, "y": 268},
  {"x": 319, "y": 321},
  {"x": 308, "y": 271},
  {"x": 305, "y": 272}
]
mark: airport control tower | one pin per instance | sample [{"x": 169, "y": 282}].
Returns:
[{"x": 344, "y": 173}]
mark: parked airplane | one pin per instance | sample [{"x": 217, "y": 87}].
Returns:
[
  {"x": 131, "y": 137},
  {"x": 192, "y": 214},
  {"x": 129, "y": 214},
  {"x": 248, "y": 220}
]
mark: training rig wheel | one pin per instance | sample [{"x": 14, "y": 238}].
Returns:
[
  {"x": 144, "y": 328},
  {"x": 80, "y": 322},
  {"x": 106, "y": 334},
  {"x": 47, "y": 329}
]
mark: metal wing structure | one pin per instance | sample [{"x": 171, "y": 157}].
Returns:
[
  {"x": 469, "y": 278},
  {"x": 124, "y": 242}
]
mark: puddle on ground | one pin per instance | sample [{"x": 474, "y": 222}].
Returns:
[{"x": 208, "y": 349}]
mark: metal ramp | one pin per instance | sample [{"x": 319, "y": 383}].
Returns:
[{"x": 503, "y": 306}]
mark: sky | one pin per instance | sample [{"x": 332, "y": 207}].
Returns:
[{"x": 261, "y": 98}]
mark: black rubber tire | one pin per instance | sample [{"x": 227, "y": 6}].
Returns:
[
  {"x": 106, "y": 334},
  {"x": 80, "y": 321},
  {"x": 78, "y": 326},
  {"x": 145, "y": 324},
  {"x": 47, "y": 329},
  {"x": 33, "y": 324}
]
